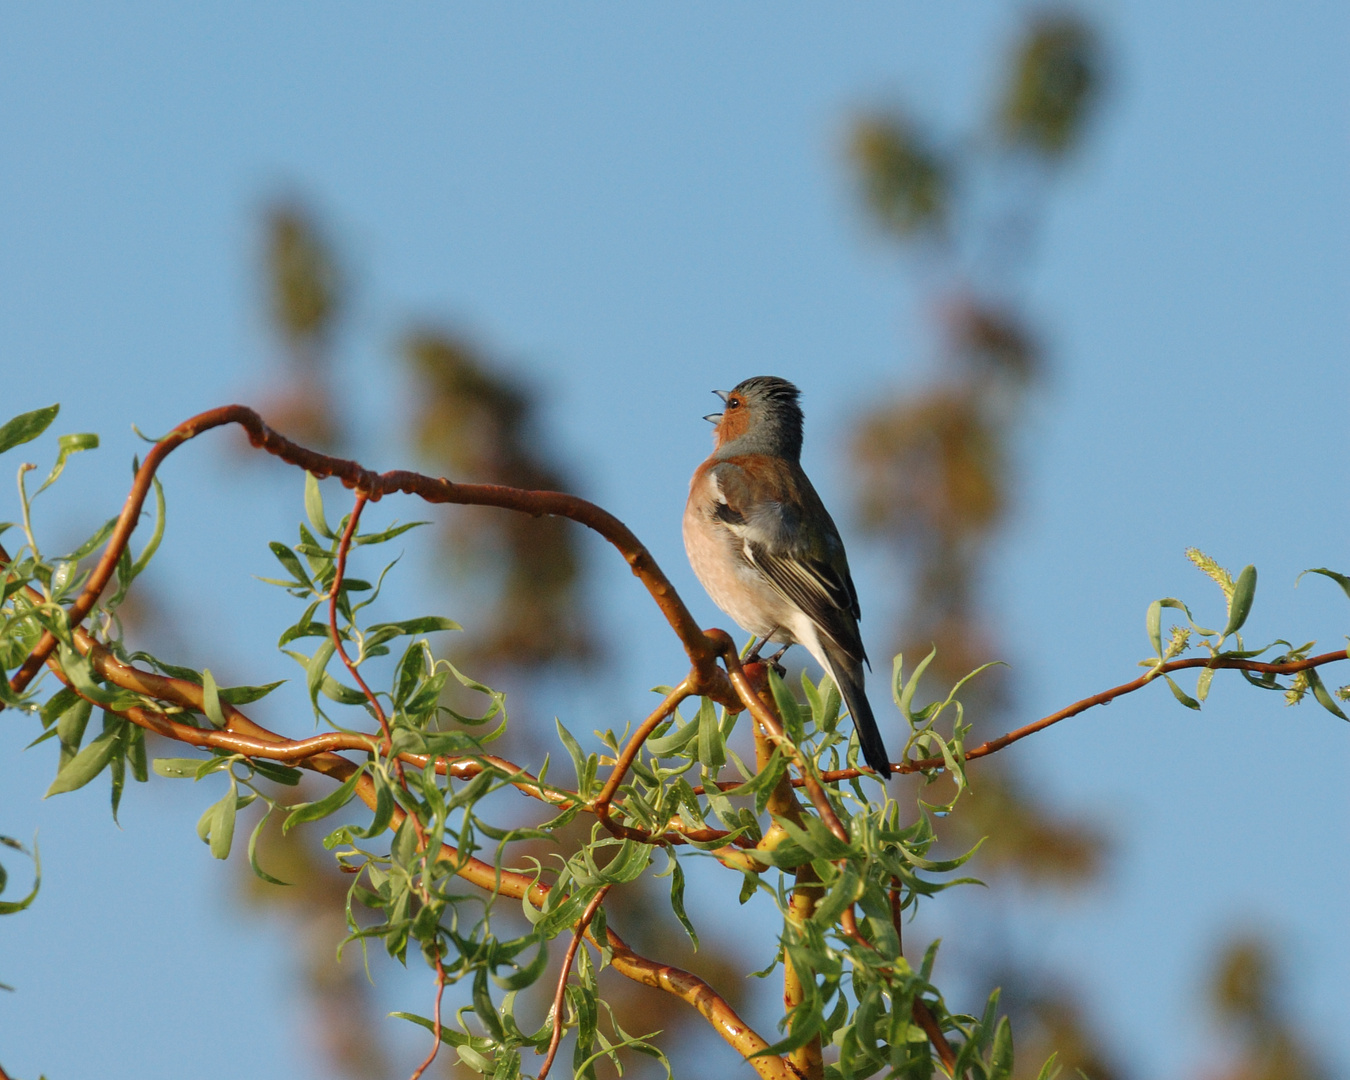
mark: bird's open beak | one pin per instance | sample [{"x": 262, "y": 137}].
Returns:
[{"x": 716, "y": 417}]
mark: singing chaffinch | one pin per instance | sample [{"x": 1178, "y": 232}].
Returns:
[{"x": 765, "y": 548}]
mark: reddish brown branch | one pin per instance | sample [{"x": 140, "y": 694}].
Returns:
[
  {"x": 435, "y": 1021},
  {"x": 714, "y": 1008},
  {"x": 339, "y": 573},
  {"x": 560, "y": 995},
  {"x": 768, "y": 719},
  {"x": 1225, "y": 663},
  {"x": 630, "y": 752},
  {"x": 923, "y": 1015},
  {"x": 702, "y": 653}
]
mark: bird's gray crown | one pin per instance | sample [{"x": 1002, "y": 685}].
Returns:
[{"x": 777, "y": 416}]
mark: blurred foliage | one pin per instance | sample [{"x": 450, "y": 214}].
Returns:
[
  {"x": 479, "y": 425},
  {"x": 1054, "y": 83},
  {"x": 305, "y": 283},
  {"x": 1248, "y": 998},
  {"x": 906, "y": 185},
  {"x": 935, "y": 467},
  {"x": 472, "y": 422},
  {"x": 304, "y": 300}
]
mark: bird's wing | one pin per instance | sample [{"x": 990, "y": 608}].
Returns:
[
  {"x": 805, "y": 565},
  {"x": 827, "y": 598}
]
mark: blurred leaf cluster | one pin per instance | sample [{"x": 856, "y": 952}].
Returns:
[
  {"x": 471, "y": 420},
  {"x": 480, "y": 425},
  {"x": 1263, "y": 1041},
  {"x": 304, "y": 293},
  {"x": 935, "y": 466}
]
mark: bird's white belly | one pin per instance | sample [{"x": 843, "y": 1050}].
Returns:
[{"x": 734, "y": 584}]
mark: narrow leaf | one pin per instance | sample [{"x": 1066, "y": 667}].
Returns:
[
  {"x": 253, "y": 850},
  {"x": 26, "y": 427},
  {"x": 69, "y": 444},
  {"x": 314, "y": 507},
  {"x": 1181, "y": 695},
  {"x": 1244, "y": 590},
  {"x": 1339, "y": 579},
  {"x": 85, "y": 765},
  {"x": 211, "y": 699},
  {"x": 329, "y": 804},
  {"x": 1323, "y": 697}
]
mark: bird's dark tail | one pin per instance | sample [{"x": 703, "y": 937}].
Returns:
[{"x": 848, "y": 676}]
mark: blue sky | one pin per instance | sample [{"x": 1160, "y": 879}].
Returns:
[{"x": 634, "y": 205}]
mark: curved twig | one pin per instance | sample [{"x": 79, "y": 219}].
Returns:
[
  {"x": 435, "y": 1021},
  {"x": 1224, "y": 663},
  {"x": 559, "y": 996},
  {"x": 339, "y": 573},
  {"x": 702, "y": 653},
  {"x": 923, "y": 1015}
]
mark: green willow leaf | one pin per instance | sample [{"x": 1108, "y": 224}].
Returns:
[
  {"x": 291, "y": 562},
  {"x": 177, "y": 768},
  {"x": 10, "y": 907},
  {"x": 85, "y": 765},
  {"x": 246, "y": 695},
  {"x": 329, "y": 804},
  {"x": 253, "y": 851},
  {"x": 1181, "y": 695},
  {"x": 677, "y": 899},
  {"x": 275, "y": 771},
  {"x": 1244, "y": 591},
  {"x": 527, "y": 975},
  {"x": 26, "y": 427},
  {"x": 1339, "y": 579},
  {"x": 211, "y": 699},
  {"x": 314, "y": 507},
  {"x": 216, "y": 826},
  {"x": 1323, "y": 697},
  {"x": 67, "y": 444},
  {"x": 151, "y": 545}
]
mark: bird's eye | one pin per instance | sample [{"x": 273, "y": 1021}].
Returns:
[{"x": 733, "y": 403}]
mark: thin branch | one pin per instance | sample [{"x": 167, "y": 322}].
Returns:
[
  {"x": 435, "y": 1020},
  {"x": 922, "y": 1014},
  {"x": 339, "y": 573},
  {"x": 630, "y": 752},
  {"x": 768, "y": 718},
  {"x": 701, "y": 651},
  {"x": 559, "y": 996},
  {"x": 714, "y": 1008},
  {"x": 1224, "y": 663}
]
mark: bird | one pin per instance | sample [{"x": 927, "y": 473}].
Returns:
[{"x": 767, "y": 551}]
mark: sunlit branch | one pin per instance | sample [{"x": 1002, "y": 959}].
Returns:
[
  {"x": 560, "y": 995},
  {"x": 630, "y": 752},
  {"x": 923, "y": 1016},
  {"x": 435, "y": 1021},
  {"x": 1226, "y": 663},
  {"x": 701, "y": 651},
  {"x": 774, "y": 729},
  {"x": 339, "y": 573}
]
